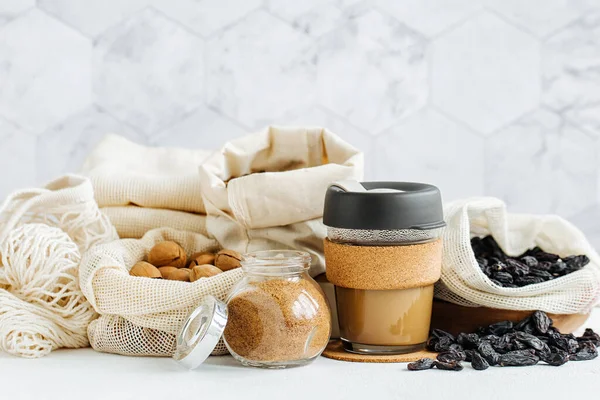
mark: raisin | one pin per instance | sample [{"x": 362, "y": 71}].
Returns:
[
  {"x": 449, "y": 366},
  {"x": 503, "y": 277},
  {"x": 545, "y": 275},
  {"x": 488, "y": 353},
  {"x": 575, "y": 263},
  {"x": 542, "y": 321},
  {"x": 422, "y": 364},
  {"x": 449, "y": 356},
  {"x": 478, "y": 362},
  {"x": 590, "y": 336},
  {"x": 530, "y": 261},
  {"x": 468, "y": 340},
  {"x": 516, "y": 268},
  {"x": 528, "y": 280},
  {"x": 564, "y": 342},
  {"x": 587, "y": 351},
  {"x": 530, "y": 340},
  {"x": 556, "y": 357},
  {"x": 518, "y": 359},
  {"x": 439, "y": 344},
  {"x": 438, "y": 333},
  {"x": 500, "y": 328}
]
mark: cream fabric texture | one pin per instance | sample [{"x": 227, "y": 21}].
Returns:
[
  {"x": 464, "y": 283},
  {"x": 140, "y": 316},
  {"x": 43, "y": 233},
  {"x": 125, "y": 173},
  {"x": 267, "y": 190}
]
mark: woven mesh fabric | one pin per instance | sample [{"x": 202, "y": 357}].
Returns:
[
  {"x": 151, "y": 308},
  {"x": 462, "y": 281}
]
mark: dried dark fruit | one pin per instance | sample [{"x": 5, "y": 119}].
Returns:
[
  {"x": 575, "y": 263},
  {"x": 500, "y": 328},
  {"x": 587, "y": 351},
  {"x": 518, "y": 359},
  {"x": 556, "y": 357},
  {"x": 449, "y": 356},
  {"x": 530, "y": 261},
  {"x": 528, "y": 280},
  {"x": 422, "y": 364},
  {"x": 563, "y": 342},
  {"x": 530, "y": 340},
  {"x": 542, "y": 321},
  {"x": 478, "y": 362},
  {"x": 590, "y": 336},
  {"x": 449, "y": 366},
  {"x": 468, "y": 340},
  {"x": 439, "y": 344},
  {"x": 532, "y": 267},
  {"x": 527, "y": 342},
  {"x": 438, "y": 333},
  {"x": 488, "y": 353},
  {"x": 503, "y": 277},
  {"x": 516, "y": 268}
]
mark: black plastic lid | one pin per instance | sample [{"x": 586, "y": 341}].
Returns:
[{"x": 408, "y": 205}]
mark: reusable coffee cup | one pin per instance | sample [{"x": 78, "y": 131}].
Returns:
[{"x": 383, "y": 253}]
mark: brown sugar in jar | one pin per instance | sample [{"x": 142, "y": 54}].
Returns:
[{"x": 278, "y": 315}]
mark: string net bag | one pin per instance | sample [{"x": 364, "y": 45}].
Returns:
[
  {"x": 462, "y": 281},
  {"x": 141, "y": 316},
  {"x": 67, "y": 203},
  {"x": 42, "y": 307}
]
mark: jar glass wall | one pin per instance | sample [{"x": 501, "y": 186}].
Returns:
[{"x": 278, "y": 315}]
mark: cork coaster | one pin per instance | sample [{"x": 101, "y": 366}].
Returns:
[
  {"x": 383, "y": 267},
  {"x": 334, "y": 350}
]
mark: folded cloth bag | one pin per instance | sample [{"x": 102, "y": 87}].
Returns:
[
  {"x": 125, "y": 173},
  {"x": 462, "y": 281},
  {"x": 134, "y": 221},
  {"x": 140, "y": 316},
  {"x": 267, "y": 190}
]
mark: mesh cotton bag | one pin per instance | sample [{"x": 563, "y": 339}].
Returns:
[
  {"x": 42, "y": 235},
  {"x": 266, "y": 190},
  {"x": 140, "y": 316},
  {"x": 462, "y": 281}
]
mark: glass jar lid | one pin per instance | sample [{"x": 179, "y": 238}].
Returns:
[{"x": 201, "y": 332}]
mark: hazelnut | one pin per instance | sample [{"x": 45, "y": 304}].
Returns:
[
  {"x": 202, "y": 259},
  {"x": 203, "y": 271},
  {"x": 180, "y": 274},
  {"x": 228, "y": 259},
  {"x": 143, "y": 268},
  {"x": 164, "y": 271},
  {"x": 167, "y": 254}
]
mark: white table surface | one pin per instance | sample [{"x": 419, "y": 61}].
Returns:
[{"x": 85, "y": 375}]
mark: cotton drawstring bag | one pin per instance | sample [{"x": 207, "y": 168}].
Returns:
[
  {"x": 140, "y": 316},
  {"x": 266, "y": 190},
  {"x": 124, "y": 173},
  {"x": 42, "y": 235},
  {"x": 462, "y": 281}
]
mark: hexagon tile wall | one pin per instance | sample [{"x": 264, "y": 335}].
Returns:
[{"x": 481, "y": 97}]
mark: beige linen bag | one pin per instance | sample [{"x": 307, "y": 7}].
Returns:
[
  {"x": 464, "y": 283},
  {"x": 140, "y": 316},
  {"x": 267, "y": 190},
  {"x": 142, "y": 188}
]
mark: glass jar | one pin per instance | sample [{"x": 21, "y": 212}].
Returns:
[{"x": 278, "y": 315}]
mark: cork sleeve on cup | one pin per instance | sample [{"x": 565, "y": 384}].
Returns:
[{"x": 383, "y": 267}]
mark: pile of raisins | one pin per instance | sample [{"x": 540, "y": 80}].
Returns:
[
  {"x": 505, "y": 344},
  {"x": 533, "y": 266}
]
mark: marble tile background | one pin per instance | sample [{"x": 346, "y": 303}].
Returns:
[{"x": 481, "y": 97}]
